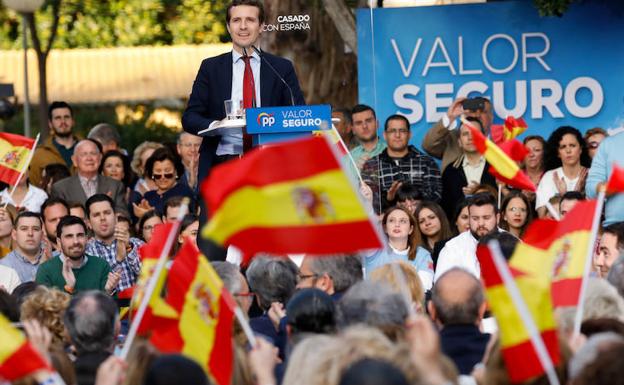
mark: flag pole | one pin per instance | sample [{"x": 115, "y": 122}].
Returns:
[
  {"x": 523, "y": 311},
  {"x": 552, "y": 211},
  {"x": 23, "y": 171},
  {"x": 151, "y": 285},
  {"x": 346, "y": 150},
  {"x": 578, "y": 317},
  {"x": 240, "y": 317}
]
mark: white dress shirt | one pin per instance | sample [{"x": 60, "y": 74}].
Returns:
[{"x": 460, "y": 251}]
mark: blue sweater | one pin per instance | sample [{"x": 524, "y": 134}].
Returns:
[{"x": 422, "y": 262}]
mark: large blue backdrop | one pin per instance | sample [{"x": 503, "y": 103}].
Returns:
[{"x": 552, "y": 71}]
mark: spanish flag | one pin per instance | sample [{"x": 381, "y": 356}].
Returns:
[
  {"x": 203, "y": 331},
  {"x": 513, "y": 127},
  {"x": 506, "y": 168},
  {"x": 15, "y": 153},
  {"x": 616, "y": 180},
  {"x": 291, "y": 197},
  {"x": 17, "y": 356},
  {"x": 518, "y": 346},
  {"x": 334, "y": 138},
  {"x": 157, "y": 310},
  {"x": 556, "y": 251}
]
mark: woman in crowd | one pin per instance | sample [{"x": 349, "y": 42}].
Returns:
[
  {"x": 188, "y": 230},
  {"x": 165, "y": 170},
  {"x": 433, "y": 225},
  {"x": 388, "y": 274},
  {"x": 117, "y": 166},
  {"x": 515, "y": 213},
  {"x": 7, "y": 218},
  {"x": 25, "y": 195},
  {"x": 402, "y": 245},
  {"x": 461, "y": 220},
  {"x": 139, "y": 159},
  {"x": 566, "y": 161},
  {"x": 593, "y": 137},
  {"x": 533, "y": 164},
  {"x": 147, "y": 223}
]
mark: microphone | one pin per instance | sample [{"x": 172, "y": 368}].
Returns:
[
  {"x": 253, "y": 81},
  {"x": 292, "y": 97}
]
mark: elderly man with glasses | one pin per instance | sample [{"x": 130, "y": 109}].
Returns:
[
  {"x": 400, "y": 163},
  {"x": 87, "y": 182}
]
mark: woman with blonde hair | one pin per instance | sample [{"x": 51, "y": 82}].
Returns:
[
  {"x": 47, "y": 305},
  {"x": 389, "y": 274}
]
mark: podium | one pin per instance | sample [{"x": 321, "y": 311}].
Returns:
[{"x": 276, "y": 124}]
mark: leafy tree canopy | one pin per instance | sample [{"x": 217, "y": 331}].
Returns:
[{"x": 122, "y": 23}]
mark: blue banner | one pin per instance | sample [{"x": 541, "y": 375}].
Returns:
[
  {"x": 288, "y": 119},
  {"x": 551, "y": 71}
]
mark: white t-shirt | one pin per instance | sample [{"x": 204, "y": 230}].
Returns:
[
  {"x": 547, "y": 189},
  {"x": 33, "y": 199}
]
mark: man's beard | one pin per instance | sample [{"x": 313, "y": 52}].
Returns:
[
  {"x": 478, "y": 237},
  {"x": 62, "y": 134}
]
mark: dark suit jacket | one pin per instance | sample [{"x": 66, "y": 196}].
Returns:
[
  {"x": 71, "y": 190},
  {"x": 213, "y": 85},
  {"x": 464, "y": 344},
  {"x": 453, "y": 179}
]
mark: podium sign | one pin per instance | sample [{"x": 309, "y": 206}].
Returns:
[{"x": 274, "y": 124}]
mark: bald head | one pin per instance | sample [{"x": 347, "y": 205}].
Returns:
[{"x": 457, "y": 298}]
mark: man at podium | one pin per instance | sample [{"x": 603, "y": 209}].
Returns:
[{"x": 245, "y": 75}]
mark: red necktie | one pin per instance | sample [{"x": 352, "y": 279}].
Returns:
[{"x": 249, "y": 98}]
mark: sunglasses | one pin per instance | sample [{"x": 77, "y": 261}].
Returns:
[{"x": 160, "y": 176}]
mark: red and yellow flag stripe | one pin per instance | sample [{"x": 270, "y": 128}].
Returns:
[
  {"x": 517, "y": 348},
  {"x": 287, "y": 198},
  {"x": 17, "y": 356},
  {"x": 14, "y": 156},
  {"x": 507, "y": 169},
  {"x": 555, "y": 251},
  {"x": 203, "y": 331},
  {"x": 513, "y": 127}
]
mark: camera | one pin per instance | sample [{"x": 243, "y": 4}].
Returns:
[{"x": 474, "y": 104}]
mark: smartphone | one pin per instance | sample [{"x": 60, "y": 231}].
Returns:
[{"x": 474, "y": 104}]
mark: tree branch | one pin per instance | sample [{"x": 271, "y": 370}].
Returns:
[
  {"x": 343, "y": 20},
  {"x": 56, "y": 9},
  {"x": 30, "y": 17}
]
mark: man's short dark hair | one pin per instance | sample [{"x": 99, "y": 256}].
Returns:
[
  {"x": 253, "y": 3},
  {"x": 52, "y": 202},
  {"x": 58, "y": 104},
  {"x": 506, "y": 241},
  {"x": 90, "y": 321},
  {"x": 482, "y": 199},
  {"x": 98, "y": 198},
  {"x": 361, "y": 108},
  {"x": 459, "y": 312},
  {"x": 27, "y": 214},
  {"x": 105, "y": 134},
  {"x": 396, "y": 117},
  {"x": 345, "y": 112},
  {"x": 69, "y": 220},
  {"x": 573, "y": 196},
  {"x": 472, "y": 119},
  {"x": 617, "y": 230},
  {"x": 174, "y": 201},
  {"x": 409, "y": 191},
  {"x": 344, "y": 270}
]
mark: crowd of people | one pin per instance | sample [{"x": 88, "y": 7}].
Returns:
[{"x": 413, "y": 311}]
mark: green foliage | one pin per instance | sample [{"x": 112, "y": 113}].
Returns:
[
  {"x": 133, "y": 131},
  {"x": 116, "y": 23},
  {"x": 552, "y": 7}
]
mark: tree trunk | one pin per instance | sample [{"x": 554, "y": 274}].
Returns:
[{"x": 326, "y": 67}]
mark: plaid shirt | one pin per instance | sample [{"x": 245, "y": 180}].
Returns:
[
  {"x": 130, "y": 266},
  {"x": 415, "y": 168}
]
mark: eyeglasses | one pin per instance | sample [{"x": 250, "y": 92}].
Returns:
[
  {"x": 398, "y": 131},
  {"x": 518, "y": 209},
  {"x": 160, "y": 176},
  {"x": 302, "y": 277}
]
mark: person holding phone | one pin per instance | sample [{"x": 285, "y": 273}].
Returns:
[{"x": 441, "y": 141}]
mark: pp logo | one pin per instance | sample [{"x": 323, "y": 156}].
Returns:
[{"x": 265, "y": 120}]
